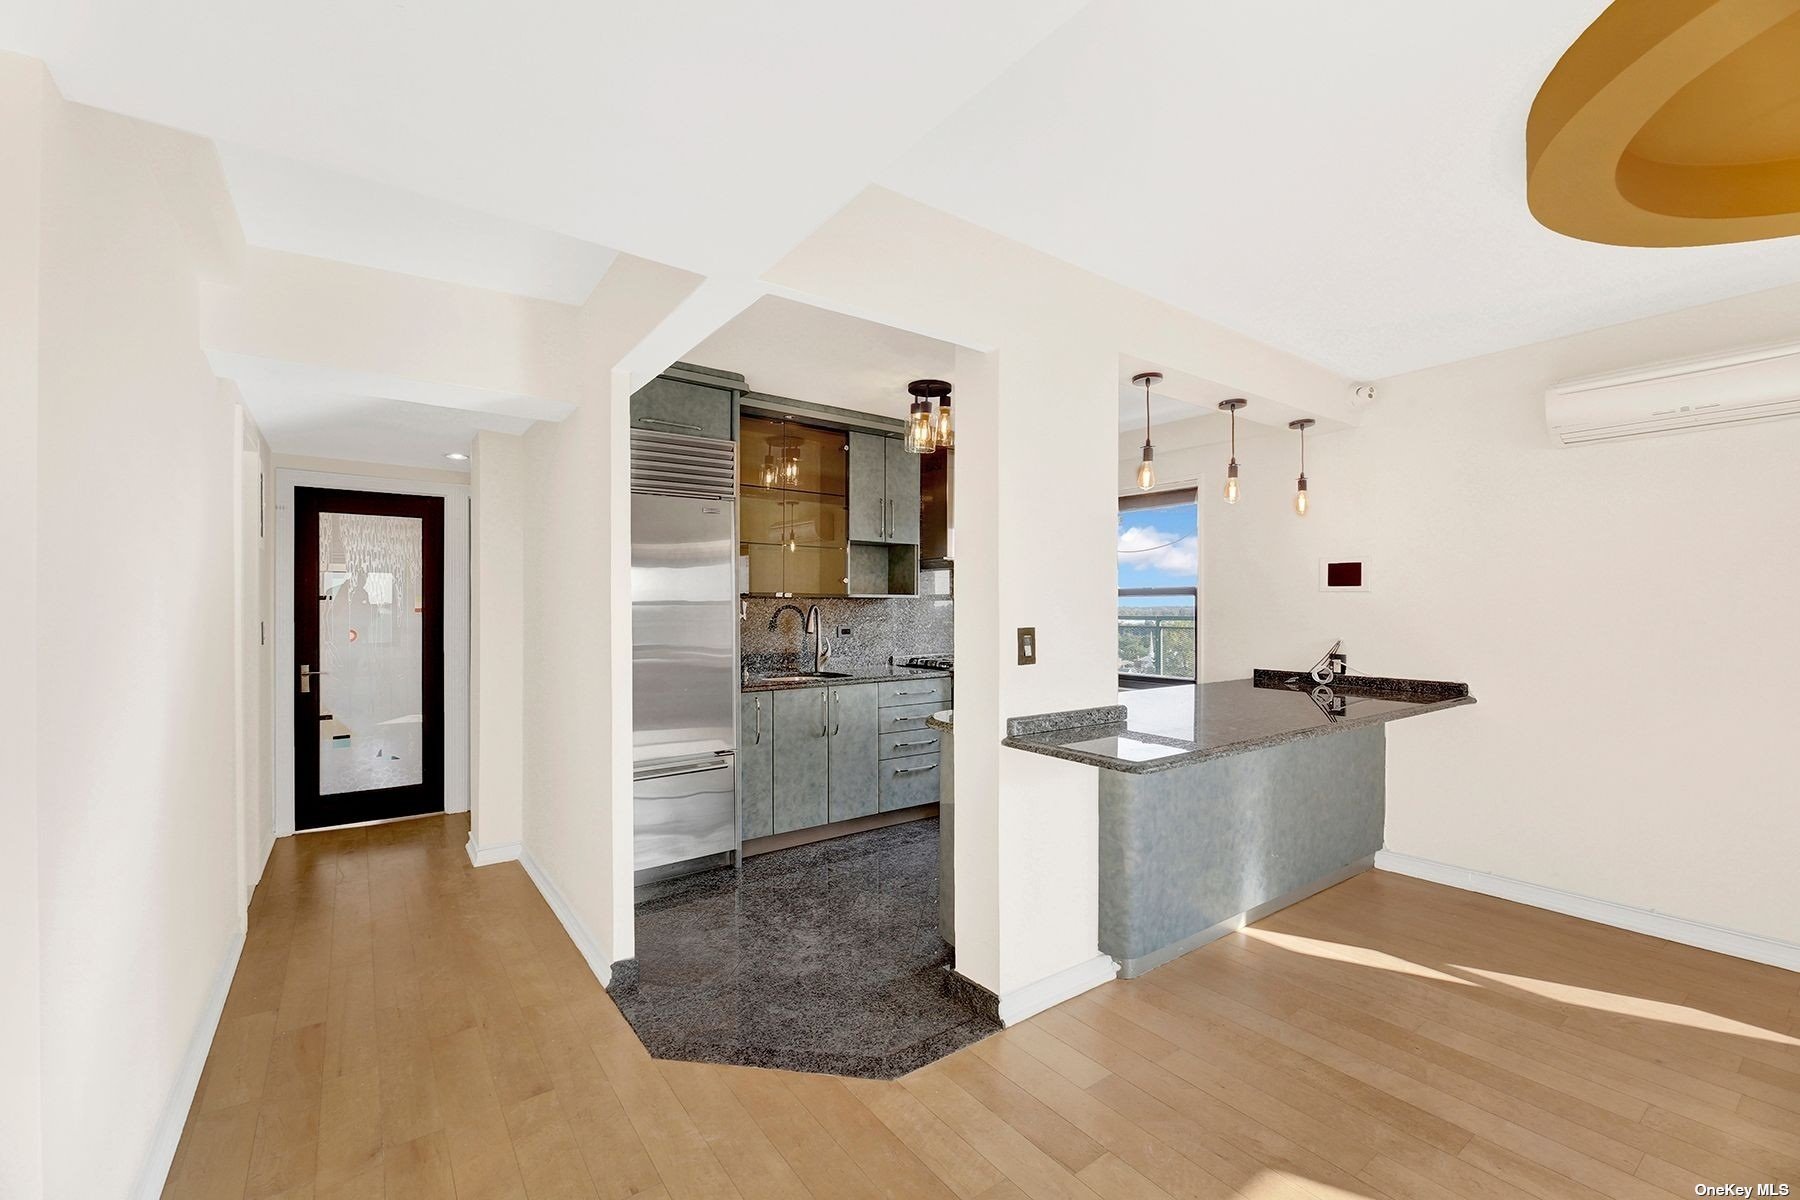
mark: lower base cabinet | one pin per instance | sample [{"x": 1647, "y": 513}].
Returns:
[
  {"x": 853, "y": 752},
  {"x": 814, "y": 755},
  {"x": 802, "y": 733},
  {"x": 756, "y": 763}
]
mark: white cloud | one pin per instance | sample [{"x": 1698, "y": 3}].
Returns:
[{"x": 1147, "y": 548}]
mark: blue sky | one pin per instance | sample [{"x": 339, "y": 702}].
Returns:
[{"x": 1158, "y": 547}]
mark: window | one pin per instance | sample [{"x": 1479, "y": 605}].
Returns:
[{"x": 1159, "y": 577}]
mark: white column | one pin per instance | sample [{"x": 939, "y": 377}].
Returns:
[
  {"x": 497, "y": 651},
  {"x": 1036, "y": 514}
]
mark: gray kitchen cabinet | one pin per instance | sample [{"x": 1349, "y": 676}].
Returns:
[
  {"x": 911, "y": 741},
  {"x": 756, "y": 763},
  {"x": 884, "y": 491},
  {"x": 868, "y": 487},
  {"x": 909, "y": 782},
  {"x": 854, "y": 752},
  {"x": 801, "y": 769},
  {"x": 669, "y": 405},
  {"x": 902, "y": 481},
  {"x": 933, "y": 689}
]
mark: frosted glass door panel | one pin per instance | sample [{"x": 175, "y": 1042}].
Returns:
[{"x": 371, "y": 650}]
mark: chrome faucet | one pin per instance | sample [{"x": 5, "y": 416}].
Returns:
[{"x": 821, "y": 650}]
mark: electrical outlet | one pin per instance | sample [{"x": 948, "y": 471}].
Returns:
[
  {"x": 1027, "y": 646},
  {"x": 845, "y": 632}
]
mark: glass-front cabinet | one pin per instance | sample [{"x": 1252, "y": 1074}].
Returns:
[{"x": 793, "y": 508}]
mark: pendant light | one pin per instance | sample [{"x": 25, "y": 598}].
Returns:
[
  {"x": 1146, "y": 473},
  {"x": 1231, "y": 475},
  {"x": 1300, "y": 500},
  {"x": 921, "y": 424},
  {"x": 946, "y": 427}
]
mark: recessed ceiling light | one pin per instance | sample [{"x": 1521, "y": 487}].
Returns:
[{"x": 457, "y": 456}]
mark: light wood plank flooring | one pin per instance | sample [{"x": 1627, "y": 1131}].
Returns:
[{"x": 403, "y": 1025}]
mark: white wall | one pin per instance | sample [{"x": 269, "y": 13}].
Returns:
[
  {"x": 24, "y": 95},
  {"x": 254, "y": 542},
  {"x": 497, "y": 648},
  {"x": 1622, "y": 614},
  {"x": 577, "y": 810},
  {"x": 138, "y": 861}
]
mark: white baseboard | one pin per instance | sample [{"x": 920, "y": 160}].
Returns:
[
  {"x": 1052, "y": 990},
  {"x": 181, "y": 1098},
  {"x": 598, "y": 961},
  {"x": 1752, "y": 946},
  {"x": 487, "y": 856}
]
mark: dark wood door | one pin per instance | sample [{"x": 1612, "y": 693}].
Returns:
[{"x": 369, "y": 656}]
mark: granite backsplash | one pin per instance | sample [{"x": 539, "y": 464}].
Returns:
[{"x": 895, "y": 626}]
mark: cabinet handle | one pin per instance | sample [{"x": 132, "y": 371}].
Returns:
[
  {"x": 904, "y": 745},
  {"x": 914, "y": 770},
  {"x": 824, "y": 713},
  {"x": 837, "y": 722},
  {"x": 670, "y": 424},
  {"x": 759, "y": 721}
]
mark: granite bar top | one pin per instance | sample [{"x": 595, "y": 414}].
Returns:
[
  {"x": 1159, "y": 729},
  {"x": 777, "y": 679}
]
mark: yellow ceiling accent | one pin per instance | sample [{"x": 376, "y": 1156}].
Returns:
[{"x": 1672, "y": 123}]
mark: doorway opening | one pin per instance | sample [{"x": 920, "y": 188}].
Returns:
[{"x": 368, "y": 711}]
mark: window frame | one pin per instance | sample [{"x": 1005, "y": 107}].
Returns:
[{"x": 1168, "y": 498}]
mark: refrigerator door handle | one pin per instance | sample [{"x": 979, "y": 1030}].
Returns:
[{"x": 717, "y": 764}]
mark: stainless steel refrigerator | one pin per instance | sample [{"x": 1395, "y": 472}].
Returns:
[{"x": 684, "y": 653}]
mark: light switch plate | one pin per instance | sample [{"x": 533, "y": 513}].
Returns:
[{"x": 1027, "y": 646}]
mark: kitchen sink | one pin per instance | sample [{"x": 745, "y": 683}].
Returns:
[{"x": 800, "y": 677}]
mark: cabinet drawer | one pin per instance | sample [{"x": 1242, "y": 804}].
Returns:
[
  {"x": 907, "y": 716},
  {"x": 676, "y": 406},
  {"x": 909, "y": 782},
  {"x": 915, "y": 691},
  {"x": 910, "y": 742}
]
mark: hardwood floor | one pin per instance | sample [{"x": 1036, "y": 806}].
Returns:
[{"x": 403, "y": 1025}]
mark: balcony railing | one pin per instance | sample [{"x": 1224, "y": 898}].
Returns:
[{"x": 1157, "y": 645}]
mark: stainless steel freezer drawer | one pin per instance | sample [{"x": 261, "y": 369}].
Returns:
[{"x": 684, "y": 812}]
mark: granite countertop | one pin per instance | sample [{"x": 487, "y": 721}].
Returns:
[
  {"x": 1164, "y": 728},
  {"x": 769, "y": 679}
]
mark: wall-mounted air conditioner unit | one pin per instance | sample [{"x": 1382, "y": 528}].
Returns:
[{"x": 1738, "y": 388}]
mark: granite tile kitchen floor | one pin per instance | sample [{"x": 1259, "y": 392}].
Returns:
[{"x": 822, "y": 958}]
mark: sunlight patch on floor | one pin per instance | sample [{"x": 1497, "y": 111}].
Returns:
[
  {"x": 1360, "y": 955},
  {"x": 1632, "y": 1006}
]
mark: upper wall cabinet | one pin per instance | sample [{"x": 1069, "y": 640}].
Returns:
[
  {"x": 791, "y": 514},
  {"x": 884, "y": 491},
  {"x": 693, "y": 401}
]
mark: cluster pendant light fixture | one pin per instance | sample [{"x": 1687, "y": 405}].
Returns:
[
  {"x": 1231, "y": 470},
  {"x": 926, "y": 430},
  {"x": 1146, "y": 472},
  {"x": 1300, "y": 501}
]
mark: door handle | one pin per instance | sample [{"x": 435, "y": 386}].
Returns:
[{"x": 306, "y": 677}]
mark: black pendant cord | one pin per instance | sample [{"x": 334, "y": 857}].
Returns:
[
  {"x": 1146, "y": 412},
  {"x": 1303, "y": 452}
]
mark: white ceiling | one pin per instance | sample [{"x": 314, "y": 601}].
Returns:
[
  {"x": 1344, "y": 181},
  {"x": 790, "y": 349},
  {"x": 292, "y": 206},
  {"x": 369, "y": 429},
  {"x": 705, "y": 135}
]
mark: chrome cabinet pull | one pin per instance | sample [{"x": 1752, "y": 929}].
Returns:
[
  {"x": 824, "y": 712},
  {"x": 838, "y": 722},
  {"x": 914, "y": 770},
  {"x": 670, "y": 424},
  {"x": 758, "y": 721},
  {"x": 904, "y": 745}
]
